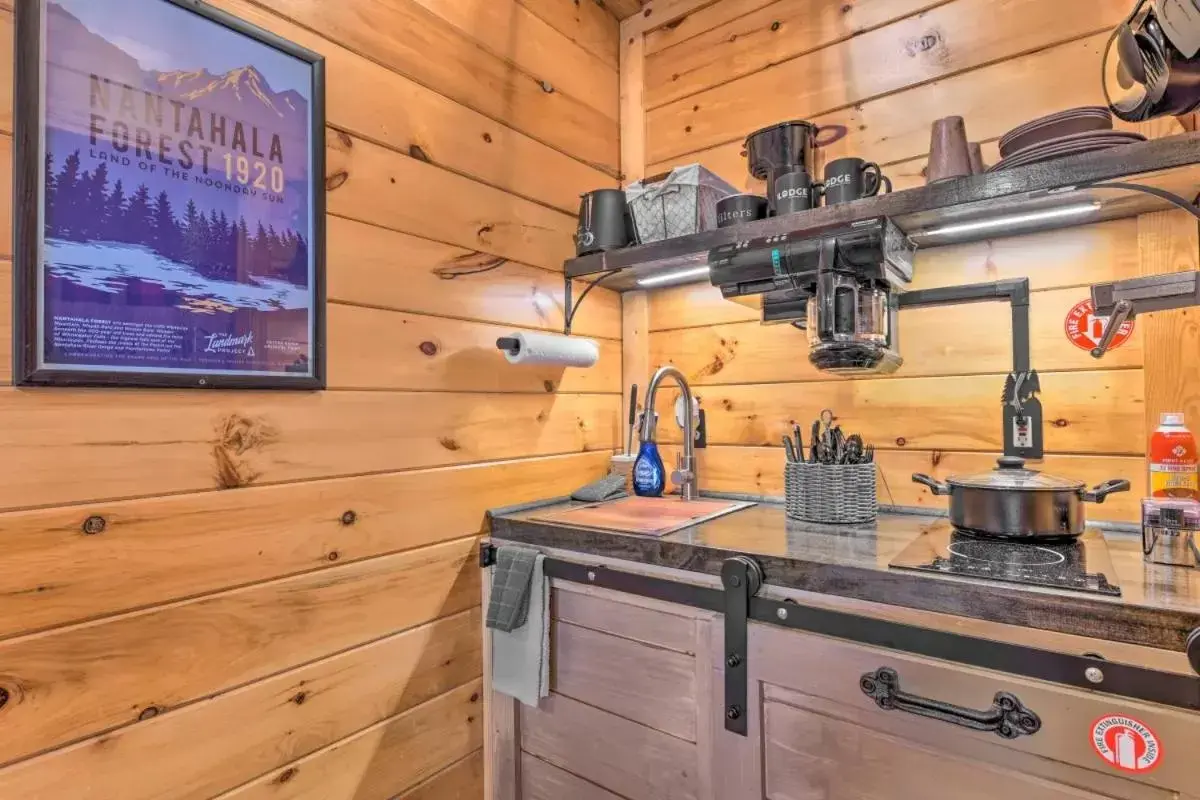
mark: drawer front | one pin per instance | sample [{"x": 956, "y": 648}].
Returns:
[{"x": 830, "y": 669}]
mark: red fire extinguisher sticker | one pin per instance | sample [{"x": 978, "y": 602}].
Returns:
[
  {"x": 1126, "y": 743},
  {"x": 1085, "y": 328}
]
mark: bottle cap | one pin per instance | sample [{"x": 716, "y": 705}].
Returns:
[{"x": 1171, "y": 418}]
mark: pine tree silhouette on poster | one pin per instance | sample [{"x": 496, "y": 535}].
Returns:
[{"x": 80, "y": 207}]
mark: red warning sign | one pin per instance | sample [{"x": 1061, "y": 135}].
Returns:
[
  {"x": 1085, "y": 328},
  {"x": 1126, "y": 743}
]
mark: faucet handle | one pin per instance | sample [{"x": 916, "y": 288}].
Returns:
[
  {"x": 683, "y": 472},
  {"x": 680, "y": 476}
]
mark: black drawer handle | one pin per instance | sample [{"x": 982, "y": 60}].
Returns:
[{"x": 1008, "y": 718}]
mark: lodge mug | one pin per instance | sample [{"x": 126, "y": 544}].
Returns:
[
  {"x": 849, "y": 179},
  {"x": 795, "y": 191}
]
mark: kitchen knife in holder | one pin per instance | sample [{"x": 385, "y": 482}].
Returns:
[{"x": 833, "y": 494}]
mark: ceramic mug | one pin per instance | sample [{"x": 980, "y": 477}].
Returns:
[
  {"x": 795, "y": 191},
  {"x": 849, "y": 179}
]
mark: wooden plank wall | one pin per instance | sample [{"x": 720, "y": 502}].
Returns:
[
  {"x": 283, "y": 601},
  {"x": 886, "y": 69}
]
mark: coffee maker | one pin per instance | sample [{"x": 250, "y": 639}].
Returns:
[
  {"x": 845, "y": 284},
  {"x": 840, "y": 283}
]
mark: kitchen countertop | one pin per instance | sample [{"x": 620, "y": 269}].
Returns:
[{"x": 1159, "y": 605}]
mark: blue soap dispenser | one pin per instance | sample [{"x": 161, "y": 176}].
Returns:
[{"x": 649, "y": 474}]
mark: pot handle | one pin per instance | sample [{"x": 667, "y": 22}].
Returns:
[
  {"x": 937, "y": 487},
  {"x": 1097, "y": 493}
]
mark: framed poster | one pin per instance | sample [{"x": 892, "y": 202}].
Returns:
[{"x": 169, "y": 199}]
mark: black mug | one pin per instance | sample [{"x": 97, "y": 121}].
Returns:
[
  {"x": 848, "y": 179},
  {"x": 795, "y": 191},
  {"x": 739, "y": 208}
]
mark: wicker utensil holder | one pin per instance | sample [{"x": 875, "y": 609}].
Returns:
[{"x": 834, "y": 494}]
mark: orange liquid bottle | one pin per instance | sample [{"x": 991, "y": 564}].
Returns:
[{"x": 1173, "y": 460}]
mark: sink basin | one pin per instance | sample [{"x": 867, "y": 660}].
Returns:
[{"x": 648, "y": 516}]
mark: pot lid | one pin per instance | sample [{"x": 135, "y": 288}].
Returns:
[{"x": 1011, "y": 473}]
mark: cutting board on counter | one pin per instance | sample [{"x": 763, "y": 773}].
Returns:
[{"x": 648, "y": 516}]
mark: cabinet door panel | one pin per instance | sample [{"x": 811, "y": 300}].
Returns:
[
  {"x": 654, "y": 687},
  {"x": 622, "y": 756},
  {"x": 830, "y": 668},
  {"x": 810, "y": 756}
]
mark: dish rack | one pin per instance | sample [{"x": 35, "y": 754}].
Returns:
[{"x": 833, "y": 494}]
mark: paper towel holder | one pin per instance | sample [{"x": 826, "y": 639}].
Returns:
[{"x": 509, "y": 344}]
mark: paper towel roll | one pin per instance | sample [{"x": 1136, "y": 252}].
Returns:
[{"x": 527, "y": 347}]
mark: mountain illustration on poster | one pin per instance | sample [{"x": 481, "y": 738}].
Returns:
[{"x": 177, "y": 194}]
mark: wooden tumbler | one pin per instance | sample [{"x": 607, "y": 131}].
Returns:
[{"x": 949, "y": 156}]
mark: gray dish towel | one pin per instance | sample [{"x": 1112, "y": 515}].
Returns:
[
  {"x": 521, "y": 657},
  {"x": 508, "y": 603},
  {"x": 609, "y": 487}
]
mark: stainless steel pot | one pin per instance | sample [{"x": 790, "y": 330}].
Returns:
[{"x": 1012, "y": 502}]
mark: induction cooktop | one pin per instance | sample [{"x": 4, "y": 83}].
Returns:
[{"x": 1081, "y": 565}]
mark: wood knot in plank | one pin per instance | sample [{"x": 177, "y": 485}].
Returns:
[
  {"x": 345, "y": 141},
  {"x": 149, "y": 712},
  {"x": 236, "y": 437},
  {"x": 287, "y": 775},
  {"x": 450, "y": 444},
  {"x": 901, "y": 441},
  {"x": 94, "y": 524},
  {"x": 242, "y": 434},
  {"x": 1060, "y": 423},
  {"x": 299, "y": 698},
  {"x": 417, "y": 152},
  {"x": 548, "y": 386},
  {"x": 935, "y": 457},
  {"x": 929, "y": 47},
  {"x": 337, "y": 180},
  {"x": 428, "y": 348},
  {"x": 487, "y": 137},
  {"x": 349, "y": 518}
]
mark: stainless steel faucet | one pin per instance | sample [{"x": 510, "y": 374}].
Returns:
[{"x": 684, "y": 475}]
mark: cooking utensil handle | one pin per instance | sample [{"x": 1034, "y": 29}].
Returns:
[
  {"x": 1008, "y": 717},
  {"x": 1097, "y": 493},
  {"x": 790, "y": 448},
  {"x": 937, "y": 487}
]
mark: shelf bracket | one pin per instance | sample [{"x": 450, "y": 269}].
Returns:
[{"x": 570, "y": 311}]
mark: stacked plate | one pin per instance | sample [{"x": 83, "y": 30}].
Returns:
[{"x": 1067, "y": 133}]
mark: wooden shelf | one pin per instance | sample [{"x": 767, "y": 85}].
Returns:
[{"x": 1171, "y": 164}]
